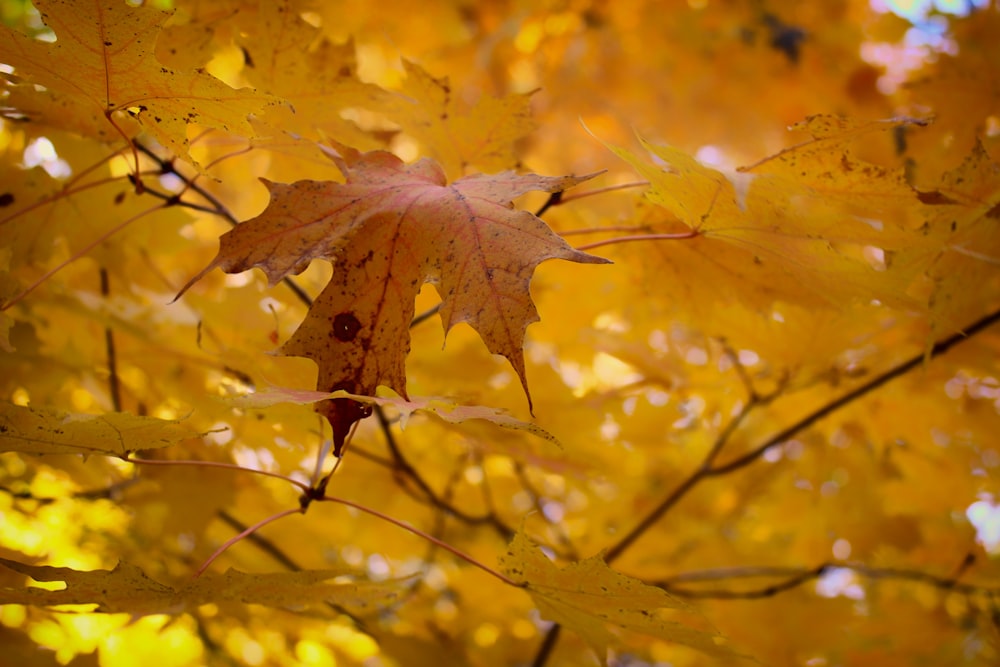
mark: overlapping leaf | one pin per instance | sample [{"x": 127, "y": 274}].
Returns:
[
  {"x": 390, "y": 228},
  {"x": 588, "y": 596},
  {"x": 812, "y": 222},
  {"x": 443, "y": 408},
  {"x": 481, "y": 137},
  {"x": 103, "y": 62},
  {"x": 40, "y": 431},
  {"x": 127, "y": 589}
]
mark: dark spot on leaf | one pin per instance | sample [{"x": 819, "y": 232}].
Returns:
[
  {"x": 934, "y": 197},
  {"x": 6, "y": 199},
  {"x": 119, "y": 198},
  {"x": 345, "y": 327},
  {"x": 107, "y": 43}
]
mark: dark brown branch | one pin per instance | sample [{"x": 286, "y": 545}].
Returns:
[
  {"x": 547, "y": 646},
  {"x": 166, "y": 166},
  {"x": 876, "y": 382},
  {"x": 114, "y": 387},
  {"x": 403, "y": 466},
  {"x": 674, "y": 497},
  {"x": 795, "y": 577},
  {"x": 706, "y": 469}
]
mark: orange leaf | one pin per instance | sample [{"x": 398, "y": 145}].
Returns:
[{"x": 390, "y": 228}]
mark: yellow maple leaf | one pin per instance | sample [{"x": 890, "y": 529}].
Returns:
[
  {"x": 480, "y": 137},
  {"x": 103, "y": 63},
  {"x": 127, "y": 589},
  {"x": 43, "y": 431},
  {"x": 587, "y": 596},
  {"x": 818, "y": 219},
  {"x": 443, "y": 408}
]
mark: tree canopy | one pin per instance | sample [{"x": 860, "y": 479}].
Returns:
[{"x": 287, "y": 376}]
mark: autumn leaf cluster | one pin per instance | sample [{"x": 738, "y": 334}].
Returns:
[{"x": 288, "y": 379}]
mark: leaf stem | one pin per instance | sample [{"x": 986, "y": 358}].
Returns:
[
  {"x": 641, "y": 237},
  {"x": 249, "y": 531},
  {"x": 604, "y": 230},
  {"x": 82, "y": 252},
  {"x": 217, "y": 464},
  {"x": 599, "y": 191},
  {"x": 430, "y": 538}
]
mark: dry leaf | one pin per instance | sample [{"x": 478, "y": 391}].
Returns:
[{"x": 390, "y": 228}]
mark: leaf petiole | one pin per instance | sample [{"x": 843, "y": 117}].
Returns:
[
  {"x": 252, "y": 529},
  {"x": 218, "y": 464},
  {"x": 640, "y": 237},
  {"x": 430, "y": 538}
]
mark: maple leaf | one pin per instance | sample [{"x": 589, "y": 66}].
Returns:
[
  {"x": 317, "y": 86},
  {"x": 127, "y": 589},
  {"x": 481, "y": 137},
  {"x": 42, "y": 431},
  {"x": 805, "y": 221},
  {"x": 390, "y": 228},
  {"x": 103, "y": 62},
  {"x": 443, "y": 408},
  {"x": 587, "y": 596}
]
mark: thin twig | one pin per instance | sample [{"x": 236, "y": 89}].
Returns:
[
  {"x": 271, "y": 549},
  {"x": 80, "y": 253},
  {"x": 167, "y": 166},
  {"x": 419, "y": 533},
  {"x": 599, "y": 191},
  {"x": 794, "y": 577},
  {"x": 876, "y": 382},
  {"x": 682, "y": 490},
  {"x": 708, "y": 469},
  {"x": 403, "y": 466}
]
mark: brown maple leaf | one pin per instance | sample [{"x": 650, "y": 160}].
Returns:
[
  {"x": 388, "y": 229},
  {"x": 102, "y": 62}
]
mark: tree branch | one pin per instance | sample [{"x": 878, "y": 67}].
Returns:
[{"x": 794, "y": 577}]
